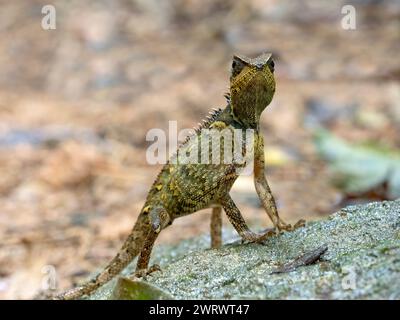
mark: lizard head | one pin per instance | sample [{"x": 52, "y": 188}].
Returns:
[{"x": 252, "y": 86}]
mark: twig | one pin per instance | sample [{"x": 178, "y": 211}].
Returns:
[{"x": 304, "y": 260}]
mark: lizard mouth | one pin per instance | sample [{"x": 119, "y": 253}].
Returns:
[{"x": 263, "y": 82}]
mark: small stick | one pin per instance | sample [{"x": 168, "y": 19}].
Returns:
[{"x": 304, "y": 260}]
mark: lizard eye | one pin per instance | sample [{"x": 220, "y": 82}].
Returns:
[
  {"x": 237, "y": 66},
  {"x": 271, "y": 65}
]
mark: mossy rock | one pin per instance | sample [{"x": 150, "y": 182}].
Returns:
[{"x": 362, "y": 262}]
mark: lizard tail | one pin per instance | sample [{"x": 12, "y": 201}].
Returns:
[{"x": 129, "y": 250}]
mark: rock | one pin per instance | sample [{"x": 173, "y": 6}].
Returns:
[{"x": 362, "y": 261}]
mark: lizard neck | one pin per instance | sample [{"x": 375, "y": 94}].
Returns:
[{"x": 251, "y": 121}]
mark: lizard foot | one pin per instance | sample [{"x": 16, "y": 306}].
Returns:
[
  {"x": 282, "y": 226},
  {"x": 251, "y": 237},
  {"x": 143, "y": 273}
]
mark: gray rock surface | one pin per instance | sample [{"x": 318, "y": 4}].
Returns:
[{"x": 362, "y": 261}]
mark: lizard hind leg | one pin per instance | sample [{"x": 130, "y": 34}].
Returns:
[
  {"x": 129, "y": 250},
  {"x": 158, "y": 220},
  {"x": 216, "y": 227}
]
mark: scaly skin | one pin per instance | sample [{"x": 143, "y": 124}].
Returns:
[{"x": 182, "y": 189}]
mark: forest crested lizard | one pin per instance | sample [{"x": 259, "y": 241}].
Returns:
[{"x": 182, "y": 189}]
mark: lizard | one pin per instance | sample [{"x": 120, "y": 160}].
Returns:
[{"x": 182, "y": 189}]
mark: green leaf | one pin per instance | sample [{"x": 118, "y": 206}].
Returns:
[
  {"x": 360, "y": 167},
  {"x": 127, "y": 289}
]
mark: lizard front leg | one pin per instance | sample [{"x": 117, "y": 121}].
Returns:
[
  {"x": 263, "y": 189},
  {"x": 158, "y": 220},
  {"x": 216, "y": 227},
  {"x": 235, "y": 217}
]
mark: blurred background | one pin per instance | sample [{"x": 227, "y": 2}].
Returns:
[{"x": 76, "y": 103}]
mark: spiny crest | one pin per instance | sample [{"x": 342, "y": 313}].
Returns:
[
  {"x": 227, "y": 97},
  {"x": 210, "y": 118}
]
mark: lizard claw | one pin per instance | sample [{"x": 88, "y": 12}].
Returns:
[
  {"x": 143, "y": 273},
  {"x": 256, "y": 238},
  {"x": 299, "y": 224},
  {"x": 282, "y": 226}
]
